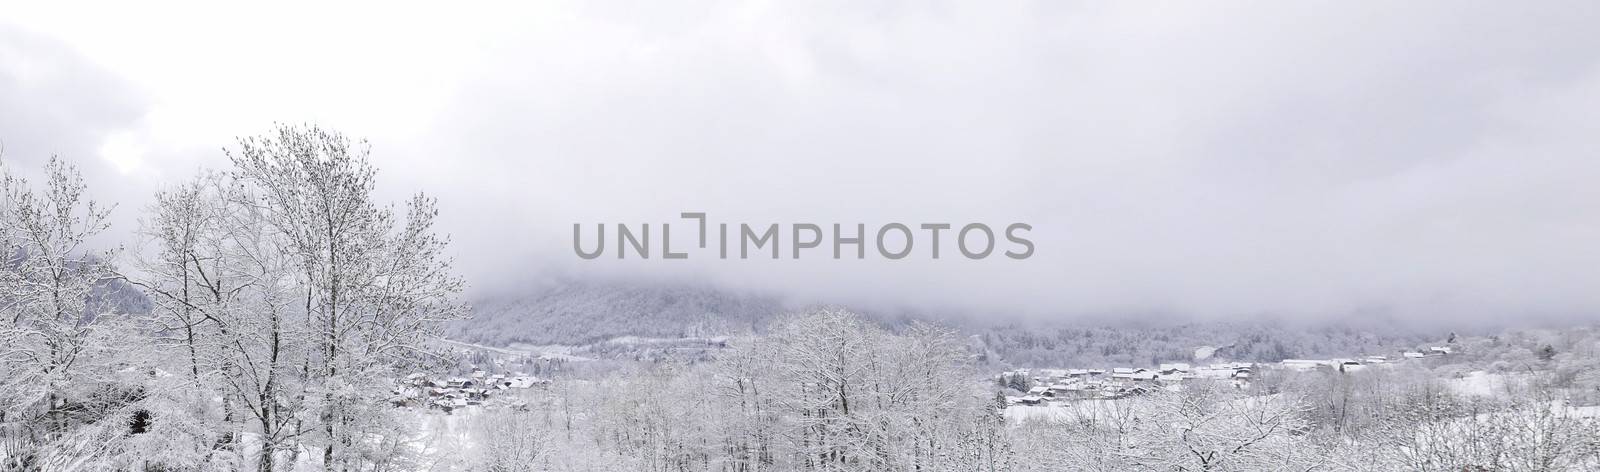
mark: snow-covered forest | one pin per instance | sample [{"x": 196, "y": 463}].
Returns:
[
  {"x": 591, "y": 315},
  {"x": 575, "y": 312},
  {"x": 281, "y": 293},
  {"x": 273, "y": 315}
]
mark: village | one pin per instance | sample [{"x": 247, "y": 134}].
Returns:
[
  {"x": 450, "y": 393},
  {"x": 1050, "y": 386}
]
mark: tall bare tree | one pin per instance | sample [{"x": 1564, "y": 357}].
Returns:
[
  {"x": 374, "y": 293},
  {"x": 58, "y": 354},
  {"x": 297, "y": 292}
]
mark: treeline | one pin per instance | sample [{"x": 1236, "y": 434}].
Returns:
[
  {"x": 1373, "y": 420},
  {"x": 586, "y": 313},
  {"x": 282, "y": 298},
  {"x": 1104, "y": 345},
  {"x": 834, "y": 391},
  {"x": 1518, "y": 400},
  {"x": 578, "y": 313},
  {"x": 827, "y": 390}
]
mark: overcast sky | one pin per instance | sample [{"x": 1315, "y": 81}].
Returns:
[{"x": 1308, "y": 160}]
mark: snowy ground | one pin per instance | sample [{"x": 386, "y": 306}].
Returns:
[
  {"x": 1485, "y": 384},
  {"x": 525, "y": 350},
  {"x": 1074, "y": 411}
]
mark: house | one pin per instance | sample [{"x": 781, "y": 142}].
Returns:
[
  {"x": 448, "y": 404},
  {"x": 1058, "y": 391},
  {"x": 1347, "y": 365},
  {"x": 1173, "y": 368},
  {"x": 449, "y": 393},
  {"x": 1132, "y": 373},
  {"x": 1124, "y": 392},
  {"x": 523, "y": 382}
]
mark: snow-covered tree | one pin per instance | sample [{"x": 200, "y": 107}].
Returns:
[
  {"x": 374, "y": 292},
  {"x": 64, "y": 398},
  {"x": 291, "y": 294}
]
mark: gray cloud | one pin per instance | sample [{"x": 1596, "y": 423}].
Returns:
[
  {"x": 57, "y": 103},
  {"x": 1432, "y": 160}
]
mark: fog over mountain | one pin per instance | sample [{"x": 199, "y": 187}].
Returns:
[
  {"x": 1425, "y": 161},
  {"x": 569, "y": 312}
]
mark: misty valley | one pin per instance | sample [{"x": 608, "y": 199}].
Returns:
[
  {"x": 800, "y": 236},
  {"x": 659, "y": 367},
  {"x": 275, "y": 316}
]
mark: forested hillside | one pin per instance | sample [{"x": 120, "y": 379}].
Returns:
[
  {"x": 1066, "y": 344},
  {"x": 576, "y": 313},
  {"x": 581, "y": 313}
]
